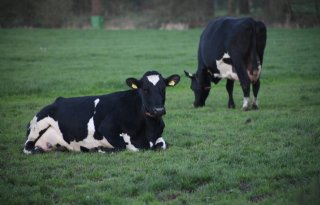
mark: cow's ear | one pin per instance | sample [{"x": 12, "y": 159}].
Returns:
[
  {"x": 133, "y": 83},
  {"x": 189, "y": 75},
  {"x": 172, "y": 80}
]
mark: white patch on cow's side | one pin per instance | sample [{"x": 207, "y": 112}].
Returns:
[
  {"x": 246, "y": 102},
  {"x": 91, "y": 128},
  {"x": 154, "y": 79},
  {"x": 96, "y": 102},
  {"x": 159, "y": 140},
  {"x": 151, "y": 144},
  {"x": 90, "y": 142},
  {"x": 225, "y": 69},
  {"x": 127, "y": 140}
]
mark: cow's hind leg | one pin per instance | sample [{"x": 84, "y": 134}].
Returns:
[
  {"x": 243, "y": 77},
  {"x": 229, "y": 87},
  {"x": 42, "y": 136},
  {"x": 34, "y": 131},
  {"x": 51, "y": 139},
  {"x": 255, "y": 89}
]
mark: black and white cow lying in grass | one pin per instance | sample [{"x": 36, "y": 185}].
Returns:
[
  {"x": 122, "y": 120},
  {"x": 230, "y": 48}
]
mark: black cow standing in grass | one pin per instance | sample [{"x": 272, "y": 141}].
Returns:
[
  {"x": 123, "y": 120},
  {"x": 230, "y": 48}
]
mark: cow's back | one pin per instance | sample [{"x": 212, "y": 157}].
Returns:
[{"x": 219, "y": 36}]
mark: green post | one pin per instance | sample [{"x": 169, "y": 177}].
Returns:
[{"x": 97, "y": 22}]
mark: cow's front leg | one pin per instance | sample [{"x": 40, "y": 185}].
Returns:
[
  {"x": 129, "y": 144},
  {"x": 255, "y": 89},
  {"x": 159, "y": 141},
  {"x": 153, "y": 133},
  {"x": 111, "y": 132},
  {"x": 229, "y": 87}
]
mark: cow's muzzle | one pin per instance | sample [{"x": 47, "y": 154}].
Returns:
[{"x": 156, "y": 112}]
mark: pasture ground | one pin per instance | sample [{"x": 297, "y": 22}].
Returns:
[{"x": 217, "y": 155}]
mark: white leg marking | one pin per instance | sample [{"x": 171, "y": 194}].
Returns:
[
  {"x": 159, "y": 140},
  {"x": 154, "y": 79},
  {"x": 246, "y": 102},
  {"x": 151, "y": 144},
  {"x": 255, "y": 101},
  {"x": 127, "y": 140}
]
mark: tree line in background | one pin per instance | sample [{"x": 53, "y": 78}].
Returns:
[{"x": 153, "y": 13}]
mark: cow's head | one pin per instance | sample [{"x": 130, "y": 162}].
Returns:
[
  {"x": 152, "y": 89},
  {"x": 200, "y": 88}
]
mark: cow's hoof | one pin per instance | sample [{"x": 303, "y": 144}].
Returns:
[
  {"x": 245, "y": 108},
  {"x": 231, "y": 106},
  {"x": 38, "y": 150},
  {"x": 255, "y": 107}
]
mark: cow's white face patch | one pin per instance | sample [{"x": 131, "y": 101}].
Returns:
[
  {"x": 127, "y": 140},
  {"x": 154, "y": 79},
  {"x": 225, "y": 69}
]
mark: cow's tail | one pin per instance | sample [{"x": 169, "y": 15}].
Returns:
[{"x": 254, "y": 61}]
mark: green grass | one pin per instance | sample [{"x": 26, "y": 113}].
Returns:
[{"x": 217, "y": 155}]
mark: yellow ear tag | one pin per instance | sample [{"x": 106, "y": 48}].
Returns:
[
  {"x": 134, "y": 86},
  {"x": 171, "y": 83}
]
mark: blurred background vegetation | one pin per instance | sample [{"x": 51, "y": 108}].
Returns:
[{"x": 131, "y": 14}]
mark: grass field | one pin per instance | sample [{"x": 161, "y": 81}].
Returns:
[{"x": 217, "y": 155}]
